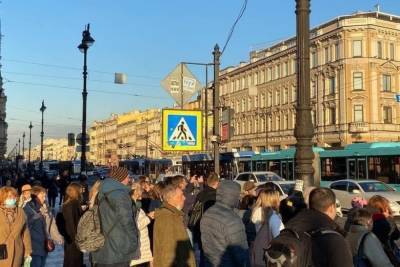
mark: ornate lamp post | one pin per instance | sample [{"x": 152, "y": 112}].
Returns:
[
  {"x": 42, "y": 109},
  {"x": 30, "y": 142},
  {"x": 23, "y": 145},
  {"x": 304, "y": 129},
  {"x": 87, "y": 41}
]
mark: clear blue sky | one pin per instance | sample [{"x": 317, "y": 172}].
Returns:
[{"x": 144, "y": 39}]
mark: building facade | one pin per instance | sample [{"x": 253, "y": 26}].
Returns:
[
  {"x": 355, "y": 75},
  {"x": 53, "y": 149}
]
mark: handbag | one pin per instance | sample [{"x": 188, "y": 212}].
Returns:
[
  {"x": 49, "y": 245},
  {"x": 3, "y": 249}
]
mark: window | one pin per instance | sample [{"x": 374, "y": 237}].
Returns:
[
  {"x": 243, "y": 105},
  {"x": 358, "y": 113},
  {"x": 391, "y": 51},
  {"x": 285, "y": 96},
  {"x": 357, "y": 81},
  {"x": 326, "y": 54},
  {"x": 387, "y": 114},
  {"x": 294, "y": 66},
  {"x": 379, "y": 49},
  {"x": 277, "y": 71},
  {"x": 294, "y": 94},
  {"x": 314, "y": 59},
  {"x": 313, "y": 89},
  {"x": 332, "y": 116},
  {"x": 285, "y": 69},
  {"x": 277, "y": 98},
  {"x": 243, "y": 177},
  {"x": 387, "y": 83},
  {"x": 269, "y": 99},
  {"x": 357, "y": 48},
  {"x": 352, "y": 187},
  {"x": 341, "y": 186},
  {"x": 285, "y": 122},
  {"x": 313, "y": 117},
  {"x": 337, "y": 51},
  {"x": 269, "y": 74},
  {"x": 278, "y": 122},
  {"x": 262, "y": 103},
  {"x": 332, "y": 85}
]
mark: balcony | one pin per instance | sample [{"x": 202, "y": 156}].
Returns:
[{"x": 359, "y": 127}]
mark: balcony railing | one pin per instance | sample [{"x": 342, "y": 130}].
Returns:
[{"x": 359, "y": 127}]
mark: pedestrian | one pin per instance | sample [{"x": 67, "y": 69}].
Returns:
[
  {"x": 248, "y": 189},
  {"x": 356, "y": 204},
  {"x": 85, "y": 189},
  {"x": 40, "y": 223},
  {"x": 71, "y": 211},
  {"x": 365, "y": 246},
  {"x": 117, "y": 220},
  {"x": 267, "y": 205},
  {"x": 291, "y": 206},
  {"x": 52, "y": 192},
  {"x": 142, "y": 221},
  {"x": 155, "y": 203},
  {"x": 223, "y": 234},
  {"x": 384, "y": 227},
  {"x": 63, "y": 182},
  {"x": 245, "y": 207},
  {"x": 25, "y": 197},
  {"x": 268, "y": 224},
  {"x": 328, "y": 246},
  {"x": 204, "y": 200},
  {"x": 172, "y": 245},
  {"x": 145, "y": 184},
  {"x": 14, "y": 232}
]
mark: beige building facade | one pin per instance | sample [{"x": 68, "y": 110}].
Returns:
[
  {"x": 53, "y": 149},
  {"x": 355, "y": 76}
]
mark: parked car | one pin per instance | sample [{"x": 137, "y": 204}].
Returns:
[
  {"x": 346, "y": 190},
  {"x": 257, "y": 177},
  {"x": 283, "y": 187}
]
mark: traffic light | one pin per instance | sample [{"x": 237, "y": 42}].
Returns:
[{"x": 71, "y": 139}]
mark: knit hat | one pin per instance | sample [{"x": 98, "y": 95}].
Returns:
[
  {"x": 249, "y": 186},
  {"x": 119, "y": 173}
]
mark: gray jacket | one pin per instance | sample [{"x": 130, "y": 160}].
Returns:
[
  {"x": 118, "y": 224},
  {"x": 223, "y": 234},
  {"x": 372, "y": 247}
]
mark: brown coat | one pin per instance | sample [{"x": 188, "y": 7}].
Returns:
[
  {"x": 172, "y": 247},
  {"x": 19, "y": 241}
]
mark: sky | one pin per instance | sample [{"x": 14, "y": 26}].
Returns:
[{"x": 144, "y": 39}]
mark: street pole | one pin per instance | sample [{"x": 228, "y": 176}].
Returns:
[
  {"x": 42, "y": 109},
  {"x": 216, "y": 140},
  {"x": 23, "y": 145},
  {"x": 206, "y": 111},
  {"x": 30, "y": 143},
  {"x": 87, "y": 41},
  {"x": 304, "y": 129},
  {"x": 19, "y": 146}
]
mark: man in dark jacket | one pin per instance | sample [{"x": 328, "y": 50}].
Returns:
[
  {"x": 206, "y": 199},
  {"x": 329, "y": 249},
  {"x": 117, "y": 219},
  {"x": 222, "y": 231}
]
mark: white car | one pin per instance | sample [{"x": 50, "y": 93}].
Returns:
[
  {"x": 257, "y": 177},
  {"x": 283, "y": 187},
  {"x": 346, "y": 190}
]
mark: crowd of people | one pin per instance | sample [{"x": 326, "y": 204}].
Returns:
[{"x": 190, "y": 222}]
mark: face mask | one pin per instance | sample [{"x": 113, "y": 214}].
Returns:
[
  {"x": 138, "y": 204},
  {"x": 10, "y": 203}
]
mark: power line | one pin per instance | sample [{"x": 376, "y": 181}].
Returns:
[
  {"x": 76, "y": 68},
  {"x": 241, "y": 12}
]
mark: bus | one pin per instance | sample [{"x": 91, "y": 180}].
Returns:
[{"x": 149, "y": 167}]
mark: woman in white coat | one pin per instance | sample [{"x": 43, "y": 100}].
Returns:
[{"x": 145, "y": 256}]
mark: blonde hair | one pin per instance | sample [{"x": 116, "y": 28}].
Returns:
[
  {"x": 136, "y": 189},
  {"x": 268, "y": 199},
  {"x": 5, "y": 191},
  {"x": 94, "y": 191}
]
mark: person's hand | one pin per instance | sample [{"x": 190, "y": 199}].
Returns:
[
  {"x": 151, "y": 215},
  {"x": 193, "y": 179},
  {"x": 200, "y": 179}
]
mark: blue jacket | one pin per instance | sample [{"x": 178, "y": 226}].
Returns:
[
  {"x": 223, "y": 234},
  {"x": 118, "y": 224}
]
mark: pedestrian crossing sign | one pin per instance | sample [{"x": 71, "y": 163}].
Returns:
[{"x": 182, "y": 130}]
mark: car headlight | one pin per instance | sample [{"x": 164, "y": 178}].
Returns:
[{"x": 394, "y": 206}]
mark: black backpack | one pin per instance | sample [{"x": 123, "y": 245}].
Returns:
[
  {"x": 360, "y": 260},
  {"x": 195, "y": 215},
  {"x": 292, "y": 249}
]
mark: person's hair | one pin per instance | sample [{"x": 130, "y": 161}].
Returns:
[
  {"x": 94, "y": 191},
  {"x": 247, "y": 202},
  {"x": 156, "y": 192},
  {"x": 143, "y": 178},
  {"x": 267, "y": 200},
  {"x": 73, "y": 192},
  {"x": 37, "y": 189},
  {"x": 212, "y": 179},
  {"x": 5, "y": 191},
  {"x": 175, "y": 181},
  {"x": 379, "y": 204},
  {"x": 169, "y": 192},
  {"x": 135, "y": 188},
  {"x": 321, "y": 199},
  {"x": 290, "y": 207},
  {"x": 361, "y": 217}
]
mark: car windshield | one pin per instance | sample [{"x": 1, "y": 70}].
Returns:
[
  {"x": 287, "y": 187},
  {"x": 263, "y": 177},
  {"x": 375, "y": 187}
]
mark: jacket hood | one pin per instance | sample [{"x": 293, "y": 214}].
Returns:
[
  {"x": 228, "y": 193},
  {"x": 109, "y": 185}
]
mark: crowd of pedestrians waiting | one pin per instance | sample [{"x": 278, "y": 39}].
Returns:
[{"x": 200, "y": 221}]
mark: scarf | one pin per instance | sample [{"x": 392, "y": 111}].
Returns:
[{"x": 10, "y": 213}]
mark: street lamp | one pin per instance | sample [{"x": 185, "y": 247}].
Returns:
[
  {"x": 87, "y": 41},
  {"x": 42, "y": 109},
  {"x": 30, "y": 143},
  {"x": 304, "y": 129},
  {"x": 23, "y": 145}
]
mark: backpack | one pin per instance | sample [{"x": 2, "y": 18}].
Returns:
[
  {"x": 261, "y": 242},
  {"x": 195, "y": 215},
  {"x": 360, "y": 260},
  {"x": 89, "y": 235},
  {"x": 292, "y": 249}
]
